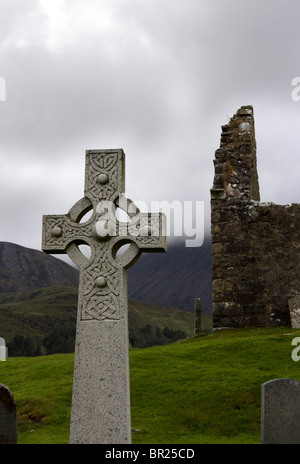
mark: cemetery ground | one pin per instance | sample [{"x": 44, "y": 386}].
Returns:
[{"x": 205, "y": 389}]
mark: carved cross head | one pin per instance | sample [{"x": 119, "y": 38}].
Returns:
[{"x": 101, "y": 277}]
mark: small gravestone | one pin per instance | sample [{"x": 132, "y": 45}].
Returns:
[
  {"x": 8, "y": 417},
  {"x": 294, "y": 307},
  {"x": 280, "y": 412},
  {"x": 3, "y": 350}
]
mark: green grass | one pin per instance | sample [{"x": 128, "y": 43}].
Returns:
[{"x": 201, "y": 390}]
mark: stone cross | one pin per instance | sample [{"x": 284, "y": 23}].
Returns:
[{"x": 101, "y": 392}]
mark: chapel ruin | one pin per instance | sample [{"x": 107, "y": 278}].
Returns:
[{"x": 255, "y": 246}]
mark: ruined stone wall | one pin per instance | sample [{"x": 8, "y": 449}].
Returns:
[{"x": 255, "y": 246}]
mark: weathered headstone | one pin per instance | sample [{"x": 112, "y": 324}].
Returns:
[
  {"x": 3, "y": 350},
  {"x": 294, "y": 308},
  {"x": 8, "y": 417},
  {"x": 101, "y": 393},
  {"x": 280, "y": 412}
]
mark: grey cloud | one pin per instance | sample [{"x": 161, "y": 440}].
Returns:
[{"x": 159, "y": 83}]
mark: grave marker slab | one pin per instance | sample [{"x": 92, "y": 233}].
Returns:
[
  {"x": 280, "y": 412},
  {"x": 101, "y": 393},
  {"x": 8, "y": 417},
  {"x": 3, "y": 350},
  {"x": 294, "y": 308}
]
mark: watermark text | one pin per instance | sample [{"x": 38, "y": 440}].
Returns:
[
  {"x": 296, "y": 89},
  {"x": 123, "y": 217},
  {"x": 295, "y": 352}
]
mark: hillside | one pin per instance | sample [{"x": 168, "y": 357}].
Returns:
[
  {"x": 203, "y": 390},
  {"x": 173, "y": 279},
  {"x": 34, "y": 313},
  {"x": 38, "y": 290},
  {"x": 23, "y": 269}
]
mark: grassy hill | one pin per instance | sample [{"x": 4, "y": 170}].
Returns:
[
  {"x": 141, "y": 314},
  {"x": 200, "y": 390},
  {"x": 172, "y": 280},
  {"x": 34, "y": 313}
]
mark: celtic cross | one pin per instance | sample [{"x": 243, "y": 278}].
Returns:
[{"x": 101, "y": 392}]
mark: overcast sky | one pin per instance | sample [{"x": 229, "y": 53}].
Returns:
[{"x": 157, "y": 78}]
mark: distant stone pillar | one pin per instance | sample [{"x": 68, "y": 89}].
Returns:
[
  {"x": 203, "y": 323},
  {"x": 197, "y": 317}
]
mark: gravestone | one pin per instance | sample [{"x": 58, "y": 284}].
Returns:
[
  {"x": 3, "y": 350},
  {"x": 8, "y": 417},
  {"x": 101, "y": 393},
  {"x": 294, "y": 308},
  {"x": 280, "y": 412}
]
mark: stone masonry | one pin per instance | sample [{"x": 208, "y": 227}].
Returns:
[{"x": 255, "y": 246}]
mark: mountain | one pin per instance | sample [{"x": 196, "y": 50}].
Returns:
[
  {"x": 39, "y": 291},
  {"x": 23, "y": 269},
  {"x": 174, "y": 279}
]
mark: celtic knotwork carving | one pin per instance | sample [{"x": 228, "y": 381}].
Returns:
[
  {"x": 147, "y": 230},
  {"x": 102, "y": 178},
  {"x": 59, "y": 231},
  {"x": 102, "y": 267},
  {"x": 54, "y": 231},
  {"x": 102, "y": 286},
  {"x": 101, "y": 308}
]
